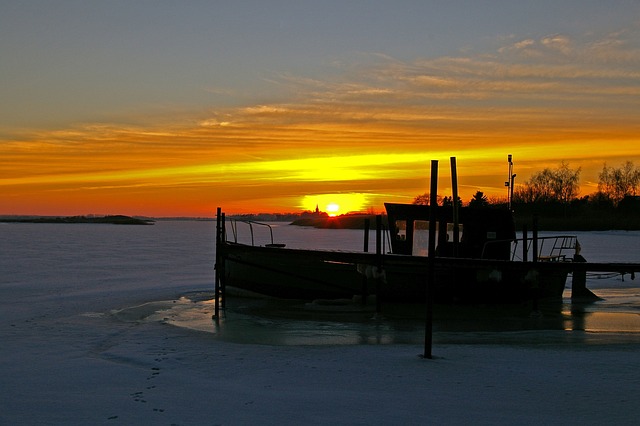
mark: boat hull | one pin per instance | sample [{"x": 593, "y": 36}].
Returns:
[
  {"x": 316, "y": 274},
  {"x": 271, "y": 272},
  {"x": 478, "y": 282}
]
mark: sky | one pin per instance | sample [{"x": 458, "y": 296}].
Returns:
[{"x": 166, "y": 108}]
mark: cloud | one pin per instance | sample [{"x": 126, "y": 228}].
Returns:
[
  {"x": 372, "y": 124},
  {"x": 524, "y": 44},
  {"x": 560, "y": 43}
]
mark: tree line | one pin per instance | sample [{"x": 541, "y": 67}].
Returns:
[
  {"x": 554, "y": 194},
  {"x": 562, "y": 185}
]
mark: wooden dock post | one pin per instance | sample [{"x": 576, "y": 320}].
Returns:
[
  {"x": 525, "y": 254},
  {"x": 223, "y": 280},
  {"x": 579, "y": 290},
  {"x": 456, "y": 219},
  {"x": 534, "y": 255},
  {"x": 378, "y": 263},
  {"x": 367, "y": 227},
  {"x": 216, "y": 309},
  {"x": 433, "y": 205},
  {"x": 536, "y": 288},
  {"x": 365, "y": 291}
]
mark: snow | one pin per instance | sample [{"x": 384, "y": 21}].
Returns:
[{"x": 83, "y": 342}]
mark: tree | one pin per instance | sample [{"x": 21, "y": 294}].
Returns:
[
  {"x": 479, "y": 200},
  {"x": 619, "y": 183},
  {"x": 601, "y": 201},
  {"x": 566, "y": 183},
  {"x": 448, "y": 202},
  {"x": 549, "y": 185},
  {"x": 423, "y": 199}
]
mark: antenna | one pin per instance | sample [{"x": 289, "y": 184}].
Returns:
[{"x": 510, "y": 180}]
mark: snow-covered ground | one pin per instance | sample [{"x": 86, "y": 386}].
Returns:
[{"x": 85, "y": 340}]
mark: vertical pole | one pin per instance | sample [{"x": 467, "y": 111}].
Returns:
[
  {"x": 223, "y": 280},
  {"x": 534, "y": 255},
  {"x": 508, "y": 183},
  {"x": 512, "y": 178},
  {"x": 379, "y": 263},
  {"x": 456, "y": 219},
  {"x": 513, "y": 184},
  {"x": 216, "y": 308},
  {"x": 524, "y": 243},
  {"x": 536, "y": 288},
  {"x": 367, "y": 226},
  {"x": 433, "y": 205}
]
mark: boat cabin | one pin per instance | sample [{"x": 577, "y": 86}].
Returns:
[{"x": 483, "y": 233}]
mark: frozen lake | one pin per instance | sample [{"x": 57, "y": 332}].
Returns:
[
  {"x": 105, "y": 324},
  {"x": 165, "y": 273}
]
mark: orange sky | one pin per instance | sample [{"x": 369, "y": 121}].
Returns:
[
  {"x": 359, "y": 135},
  {"x": 278, "y": 160}
]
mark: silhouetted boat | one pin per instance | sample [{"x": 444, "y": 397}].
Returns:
[{"x": 487, "y": 263}]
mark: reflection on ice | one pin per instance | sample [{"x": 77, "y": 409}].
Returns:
[
  {"x": 293, "y": 323},
  {"x": 603, "y": 322}
]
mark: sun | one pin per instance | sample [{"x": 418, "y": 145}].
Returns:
[
  {"x": 333, "y": 209},
  {"x": 335, "y": 204}
]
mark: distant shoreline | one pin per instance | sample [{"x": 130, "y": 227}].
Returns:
[
  {"x": 577, "y": 223},
  {"x": 350, "y": 221},
  {"x": 112, "y": 220}
]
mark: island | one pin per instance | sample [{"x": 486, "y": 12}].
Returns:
[{"x": 111, "y": 219}]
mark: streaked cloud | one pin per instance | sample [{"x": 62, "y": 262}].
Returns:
[{"x": 369, "y": 127}]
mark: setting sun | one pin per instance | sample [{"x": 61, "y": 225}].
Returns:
[
  {"x": 333, "y": 209},
  {"x": 335, "y": 204}
]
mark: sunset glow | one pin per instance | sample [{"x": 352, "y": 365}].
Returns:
[
  {"x": 335, "y": 204},
  {"x": 333, "y": 209},
  {"x": 338, "y": 130}
]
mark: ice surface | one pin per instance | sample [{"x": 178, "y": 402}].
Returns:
[{"x": 85, "y": 326}]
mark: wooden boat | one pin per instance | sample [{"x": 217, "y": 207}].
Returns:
[{"x": 478, "y": 259}]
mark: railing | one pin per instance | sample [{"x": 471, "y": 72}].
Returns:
[
  {"x": 557, "y": 248},
  {"x": 251, "y": 224}
]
